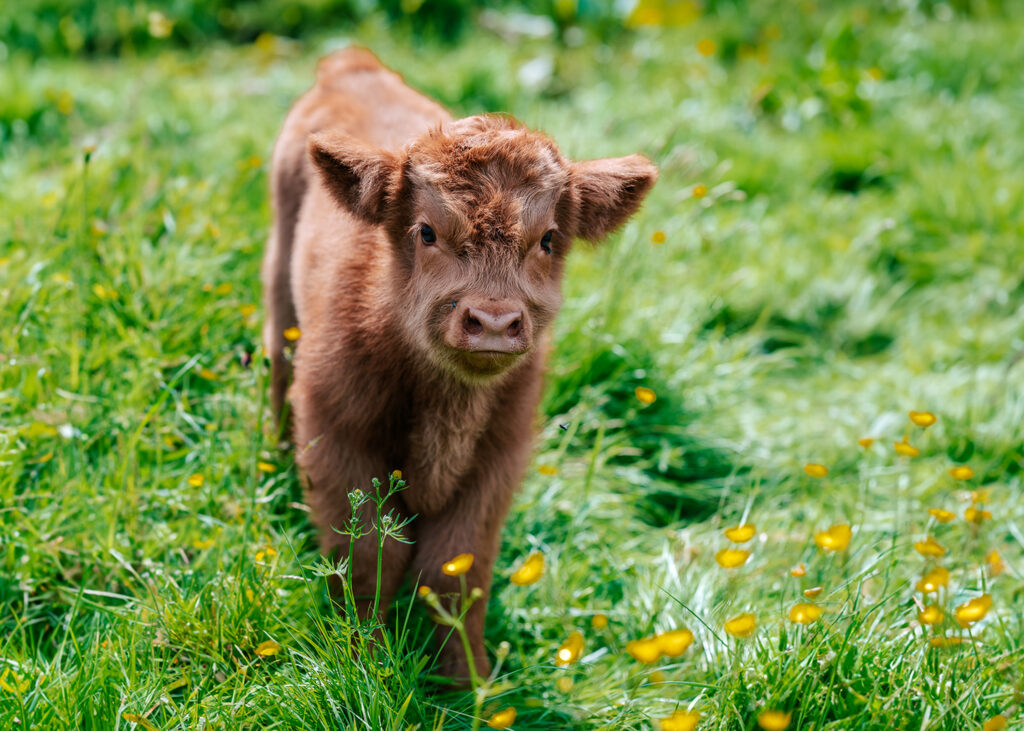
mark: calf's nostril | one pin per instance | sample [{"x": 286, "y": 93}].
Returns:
[
  {"x": 472, "y": 326},
  {"x": 515, "y": 328}
]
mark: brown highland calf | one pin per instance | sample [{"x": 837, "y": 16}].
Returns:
[{"x": 421, "y": 257}]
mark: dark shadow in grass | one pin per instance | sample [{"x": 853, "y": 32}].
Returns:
[{"x": 675, "y": 474}]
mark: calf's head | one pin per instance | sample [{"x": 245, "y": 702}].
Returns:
[{"x": 481, "y": 213}]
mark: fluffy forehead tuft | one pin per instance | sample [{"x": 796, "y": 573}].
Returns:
[{"x": 487, "y": 153}]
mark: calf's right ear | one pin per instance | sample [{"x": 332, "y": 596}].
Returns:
[{"x": 358, "y": 176}]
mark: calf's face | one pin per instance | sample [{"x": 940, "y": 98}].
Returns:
[{"x": 481, "y": 213}]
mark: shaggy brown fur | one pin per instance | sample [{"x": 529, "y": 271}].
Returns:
[{"x": 422, "y": 349}]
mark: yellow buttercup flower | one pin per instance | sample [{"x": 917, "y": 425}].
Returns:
[
  {"x": 674, "y": 642},
  {"x": 741, "y": 533},
  {"x": 943, "y": 516},
  {"x": 798, "y": 571},
  {"x": 247, "y": 310},
  {"x": 836, "y": 538},
  {"x": 930, "y": 547},
  {"x": 743, "y": 625},
  {"x": 699, "y": 190},
  {"x": 203, "y": 544},
  {"x": 816, "y": 470},
  {"x": 599, "y": 621},
  {"x": 961, "y": 472},
  {"x": 503, "y": 718},
  {"x": 977, "y": 516},
  {"x": 292, "y": 334},
  {"x": 812, "y": 592},
  {"x": 267, "y": 649},
  {"x": 570, "y": 650},
  {"x": 265, "y": 467},
  {"x": 923, "y": 419},
  {"x": 645, "y": 395},
  {"x": 531, "y": 570},
  {"x": 547, "y": 470},
  {"x": 195, "y": 480},
  {"x": 904, "y": 449},
  {"x": 396, "y": 474},
  {"x": 933, "y": 580},
  {"x": 424, "y": 590},
  {"x": 730, "y": 558},
  {"x": 680, "y": 721},
  {"x": 866, "y": 442},
  {"x": 930, "y": 615},
  {"x": 564, "y": 683},
  {"x": 995, "y": 562},
  {"x": 645, "y": 650},
  {"x": 658, "y": 237},
  {"x": 804, "y": 613},
  {"x": 774, "y": 720},
  {"x": 943, "y": 642},
  {"x": 973, "y": 611},
  {"x": 458, "y": 565},
  {"x": 996, "y": 723},
  {"x": 267, "y": 552},
  {"x": 706, "y": 47}
]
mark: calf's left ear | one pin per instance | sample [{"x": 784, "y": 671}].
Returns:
[
  {"x": 609, "y": 191},
  {"x": 358, "y": 176}
]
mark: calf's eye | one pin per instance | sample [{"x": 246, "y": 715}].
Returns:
[
  {"x": 427, "y": 234},
  {"x": 545, "y": 242}
]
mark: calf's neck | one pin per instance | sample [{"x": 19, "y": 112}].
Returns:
[{"x": 421, "y": 258}]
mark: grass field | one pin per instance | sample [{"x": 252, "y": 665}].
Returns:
[{"x": 836, "y": 240}]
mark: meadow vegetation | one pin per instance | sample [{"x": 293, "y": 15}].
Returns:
[{"x": 835, "y": 242}]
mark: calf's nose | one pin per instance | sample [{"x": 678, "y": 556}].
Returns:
[{"x": 498, "y": 329}]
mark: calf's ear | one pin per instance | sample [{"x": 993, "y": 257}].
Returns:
[
  {"x": 358, "y": 176},
  {"x": 609, "y": 191}
]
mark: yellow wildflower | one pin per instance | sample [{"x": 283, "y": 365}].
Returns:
[
  {"x": 599, "y": 621},
  {"x": 804, "y": 613},
  {"x": 974, "y": 515},
  {"x": 706, "y": 47},
  {"x": 247, "y": 310},
  {"x": 981, "y": 496},
  {"x": 548, "y": 470},
  {"x": 570, "y": 650},
  {"x": 798, "y": 571},
  {"x": 930, "y": 547},
  {"x": 995, "y": 562},
  {"x": 531, "y": 570},
  {"x": 816, "y": 470},
  {"x": 564, "y": 683},
  {"x": 195, "y": 480},
  {"x": 458, "y": 565},
  {"x": 906, "y": 450},
  {"x": 503, "y": 718},
  {"x": 292, "y": 334},
  {"x": 742, "y": 625},
  {"x": 674, "y": 642},
  {"x": 943, "y": 642},
  {"x": 424, "y": 590},
  {"x": 836, "y": 538},
  {"x": 680, "y": 721},
  {"x": 933, "y": 580},
  {"x": 207, "y": 375},
  {"x": 645, "y": 650},
  {"x": 12, "y": 683},
  {"x": 930, "y": 615},
  {"x": 699, "y": 190},
  {"x": 741, "y": 533},
  {"x": 203, "y": 544},
  {"x": 961, "y": 472},
  {"x": 943, "y": 516},
  {"x": 268, "y": 648},
  {"x": 645, "y": 395},
  {"x": 774, "y": 720},
  {"x": 265, "y": 467},
  {"x": 812, "y": 592},
  {"x": 223, "y": 288},
  {"x": 658, "y": 237},
  {"x": 923, "y": 419},
  {"x": 866, "y": 442},
  {"x": 996, "y": 723},
  {"x": 730, "y": 558},
  {"x": 267, "y": 552},
  {"x": 973, "y": 611}
]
